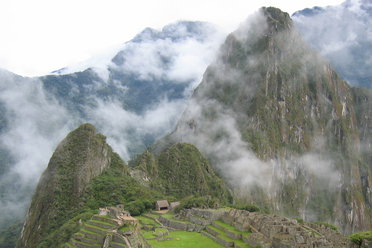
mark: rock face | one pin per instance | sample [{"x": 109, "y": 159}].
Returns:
[
  {"x": 180, "y": 170},
  {"x": 79, "y": 158},
  {"x": 281, "y": 126}
]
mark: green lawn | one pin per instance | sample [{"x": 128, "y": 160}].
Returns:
[
  {"x": 183, "y": 239},
  {"x": 170, "y": 216},
  {"x": 147, "y": 221},
  {"x": 241, "y": 243},
  {"x": 126, "y": 228},
  {"x": 153, "y": 215},
  {"x": 221, "y": 234},
  {"x": 148, "y": 234},
  {"x": 228, "y": 227},
  {"x": 101, "y": 222},
  {"x": 159, "y": 231}
]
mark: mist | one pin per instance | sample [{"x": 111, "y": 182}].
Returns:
[
  {"x": 343, "y": 35},
  {"x": 37, "y": 115},
  {"x": 218, "y": 118},
  {"x": 35, "y": 124}
]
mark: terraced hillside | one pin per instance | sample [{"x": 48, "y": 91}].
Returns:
[
  {"x": 239, "y": 228},
  {"x": 212, "y": 228},
  {"x": 103, "y": 231}
]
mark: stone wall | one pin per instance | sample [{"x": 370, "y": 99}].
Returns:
[
  {"x": 282, "y": 232},
  {"x": 180, "y": 225}
]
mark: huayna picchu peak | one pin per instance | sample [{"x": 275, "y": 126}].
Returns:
[
  {"x": 272, "y": 151},
  {"x": 282, "y": 126}
]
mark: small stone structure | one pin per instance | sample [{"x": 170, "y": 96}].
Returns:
[
  {"x": 173, "y": 205},
  {"x": 162, "y": 205},
  {"x": 102, "y": 231},
  {"x": 129, "y": 220},
  {"x": 115, "y": 212}
]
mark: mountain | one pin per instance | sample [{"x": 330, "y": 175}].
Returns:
[
  {"x": 83, "y": 174},
  {"x": 134, "y": 97},
  {"x": 342, "y": 34},
  {"x": 270, "y": 116},
  {"x": 282, "y": 127},
  {"x": 80, "y": 157},
  {"x": 181, "y": 171},
  {"x": 149, "y": 72}
]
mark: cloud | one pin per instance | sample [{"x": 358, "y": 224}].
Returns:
[
  {"x": 175, "y": 54},
  {"x": 220, "y": 118},
  {"x": 342, "y": 34},
  {"x": 127, "y": 130},
  {"x": 35, "y": 123}
]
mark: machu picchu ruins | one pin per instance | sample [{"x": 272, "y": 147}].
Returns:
[{"x": 225, "y": 227}]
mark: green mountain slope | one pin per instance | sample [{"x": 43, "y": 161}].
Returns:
[
  {"x": 83, "y": 175},
  {"x": 79, "y": 158},
  {"x": 180, "y": 171}
]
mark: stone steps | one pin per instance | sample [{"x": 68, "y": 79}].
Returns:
[
  {"x": 105, "y": 219},
  {"x": 218, "y": 239},
  {"x": 199, "y": 220},
  {"x": 92, "y": 235},
  {"x": 117, "y": 245},
  {"x": 82, "y": 238},
  {"x": 101, "y": 224},
  {"x": 84, "y": 245},
  {"x": 69, "y": 245},
  {"x": 226, "y": 237},
  {"x": 232, "y": 234},
  {"x": 95, "y": 229}
]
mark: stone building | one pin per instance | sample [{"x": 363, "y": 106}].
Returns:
[{"x": 162, "y": 205}]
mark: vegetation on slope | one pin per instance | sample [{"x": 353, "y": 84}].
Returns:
[
  {"x": 83, "y": 175},
  {"x": 182, "y": 171},
  {"x": 357, "y": 238}
]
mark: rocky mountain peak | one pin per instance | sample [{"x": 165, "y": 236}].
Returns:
[
  {"x": 80, "y": 157},
  {"x": 281, "y": 110},
  {"x": 277, "y": 19}
]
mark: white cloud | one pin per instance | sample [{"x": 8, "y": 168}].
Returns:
[
  {"x": 41, "y": 36},
  {"x": 36, "y": 125},
  {"x": 125, "y": 129},
  {"x": 342, "y": 34}
]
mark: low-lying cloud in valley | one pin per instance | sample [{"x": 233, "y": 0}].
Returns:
[
  {"x": 39, "y": 112},
  {"x": 343, "y": 34}
]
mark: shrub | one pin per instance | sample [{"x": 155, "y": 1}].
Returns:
[
  {"x": 357, "y": 238},
  {"x": 299, "y": 220},
  {"x": 333, "y": 227},
  {"x": 198, "y": 202},
  {"x": 247, "y": 207},
  {"x": 138, "y": 207}
]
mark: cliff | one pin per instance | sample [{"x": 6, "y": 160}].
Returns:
[{"x": 282, "y": 126}]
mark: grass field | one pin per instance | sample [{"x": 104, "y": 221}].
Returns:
[
  {"x": 183, "y": 239},
  {"x": 147, "y": 221}
]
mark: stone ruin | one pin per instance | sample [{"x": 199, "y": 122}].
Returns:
[{"x": 266, "y": 231}]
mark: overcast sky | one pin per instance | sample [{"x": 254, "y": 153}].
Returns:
[{"x": 39, "y": 36}]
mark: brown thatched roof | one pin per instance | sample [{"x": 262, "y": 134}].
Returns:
[{"x": 162, "y": 204}]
